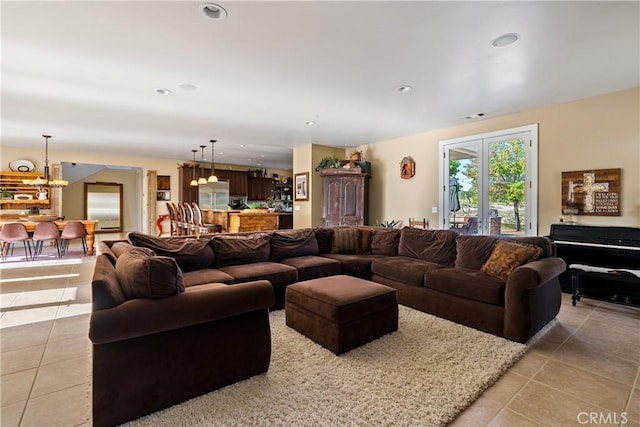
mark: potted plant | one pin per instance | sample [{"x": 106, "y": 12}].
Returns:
[
  {"x": 388, "y": 224},
  {"x": 5, "y": 194},
  {"x": 329, "y": 162}
]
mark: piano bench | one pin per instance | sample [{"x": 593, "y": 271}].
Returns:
[{"x": 621, "y": 275}]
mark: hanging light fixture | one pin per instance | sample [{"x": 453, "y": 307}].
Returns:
[
  {"x": 202, "y": 180},
  {"x": 46, "y": 182},
  {"x": 194, "y": 181},
  {"x": 212, "y": 177}
]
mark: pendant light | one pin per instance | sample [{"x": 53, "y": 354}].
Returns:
[
  {"x": 202, "y": 180},
  {"x": 194, "y": 181},
  {"x": 212, "y": 177},
  {"x": 46, "y": 181}
]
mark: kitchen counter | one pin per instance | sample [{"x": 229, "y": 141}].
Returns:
[
  {"x": 258, "y": 221},
  {"x": 242, "y": 220}
]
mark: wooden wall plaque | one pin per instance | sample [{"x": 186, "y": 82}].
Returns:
[{"x": 592, "y": 192}]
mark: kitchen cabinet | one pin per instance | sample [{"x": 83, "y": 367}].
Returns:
[
  {"x": 259, "y": 188},
  {"x": 344, "y": 197},
  {"x": 238, "y": 183},
  {"x": 188, "y": 193}
]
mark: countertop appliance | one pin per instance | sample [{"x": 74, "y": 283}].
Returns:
[{"x": 238, "y": 201}]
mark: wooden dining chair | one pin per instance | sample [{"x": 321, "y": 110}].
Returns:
[{"x": 417, "y": 223}]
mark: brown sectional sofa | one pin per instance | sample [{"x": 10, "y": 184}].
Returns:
[{"x": 478, "y": 281}]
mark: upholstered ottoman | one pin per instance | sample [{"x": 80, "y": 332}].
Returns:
[{"x": 341, "y": 312}]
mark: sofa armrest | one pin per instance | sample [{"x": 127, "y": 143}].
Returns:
[
  {"x": 199, "y": 304},
  {"x": 532, "y": 298},
  {"x": 536, "y": 273}
]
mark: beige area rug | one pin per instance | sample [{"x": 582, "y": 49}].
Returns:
[{"x": 424, "y": 374}]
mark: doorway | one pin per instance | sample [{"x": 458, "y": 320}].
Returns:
[{"x": 489, "y": 183}]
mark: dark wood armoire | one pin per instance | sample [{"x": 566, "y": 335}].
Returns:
[{"x": 344, "y": 197}]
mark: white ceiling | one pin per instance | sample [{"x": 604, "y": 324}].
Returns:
[{"x": 85, "y": 72}]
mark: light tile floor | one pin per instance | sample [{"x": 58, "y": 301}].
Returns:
[{"x": 585, "y": 371}]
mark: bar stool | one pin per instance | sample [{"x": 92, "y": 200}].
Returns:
[
  {"x": 71, "y": 231},
  {"x": 45, "y": 231},
  {"x": 11, "y": 233}
]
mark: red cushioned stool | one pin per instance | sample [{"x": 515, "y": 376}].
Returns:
[{"x": 341, "y": 312}]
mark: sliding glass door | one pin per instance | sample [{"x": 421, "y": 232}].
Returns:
[{"x": 489, "y": 183}]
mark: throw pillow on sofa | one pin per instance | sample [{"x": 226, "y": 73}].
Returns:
[
  {"x": 190, "y": 254},
  {"x": 143, "y": 275},
  {"x": 346, "y": 240},
  {"x": 234, "y": 249},
  {"x": 293, "y": 243},
  {"x": 507, "y": 256}
]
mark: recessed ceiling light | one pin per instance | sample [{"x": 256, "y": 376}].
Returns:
[
  {"x": 258, "y": 164},
  {"x": 163, "y": 91},
  {"x": 262, "y": 156},
  {"x": 187, "y": 86},
  {"x": 310, "y": 123},
  {"x": 213, "y": 11},
  {"x": 404, "y": 88},
  {"x": 474, "y": 116},
  {"x": 240, "y": 145},
  {"x": 505, "y": 40}
]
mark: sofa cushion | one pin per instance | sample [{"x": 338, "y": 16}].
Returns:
[
  {"x": 467, "y": 283},
  {"x": 437, "y": 246},
  {"x": 384, "y": 241},
  {"x": 407, "y": 270},
  {"x": 358, "y": 265},
  {"x": 293, "y": 243},
  {"x": 311, "y": 266},
  {"x": 145, "y": 276},
  {"x": 473, "y": 251},
  {"x": 365, "y": 240},
  {"x": 324, "y": 237},
  {"x": 346, "y": 240},
  {"x": 118, "y": 248},
  {"x": 204, "y": 276},
  {"x": 234, "y": 249},
  {"x": 278, "y": 274},
  {"x": 542, "y": 242},
  {"x": 105, "y": 288},
  {"x": 507, "y": 256},
  {"x": 190, "y": 254}
]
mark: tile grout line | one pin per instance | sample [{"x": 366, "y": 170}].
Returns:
[
  {"x": 24, "y": 410},
  {"x": 530, "y": 379}
]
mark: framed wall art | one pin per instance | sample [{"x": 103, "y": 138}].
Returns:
[
  {"x": 407, "y": 168},
  {"x": 592, "y": 192},
  {"x": 301, "y": 182}
]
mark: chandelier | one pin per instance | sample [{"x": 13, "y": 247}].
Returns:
[{"x": 46, "y": 182}]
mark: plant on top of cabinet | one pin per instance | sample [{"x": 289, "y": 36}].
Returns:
[{"x": 329, "y": 162}]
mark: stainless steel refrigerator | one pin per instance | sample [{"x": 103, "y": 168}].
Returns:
[{"x": 214, "y": 195}]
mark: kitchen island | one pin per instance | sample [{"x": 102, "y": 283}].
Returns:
[{"x": 234, "y": 221}]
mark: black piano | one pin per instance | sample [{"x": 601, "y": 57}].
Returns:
[{"x": 598, "y": 246}]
